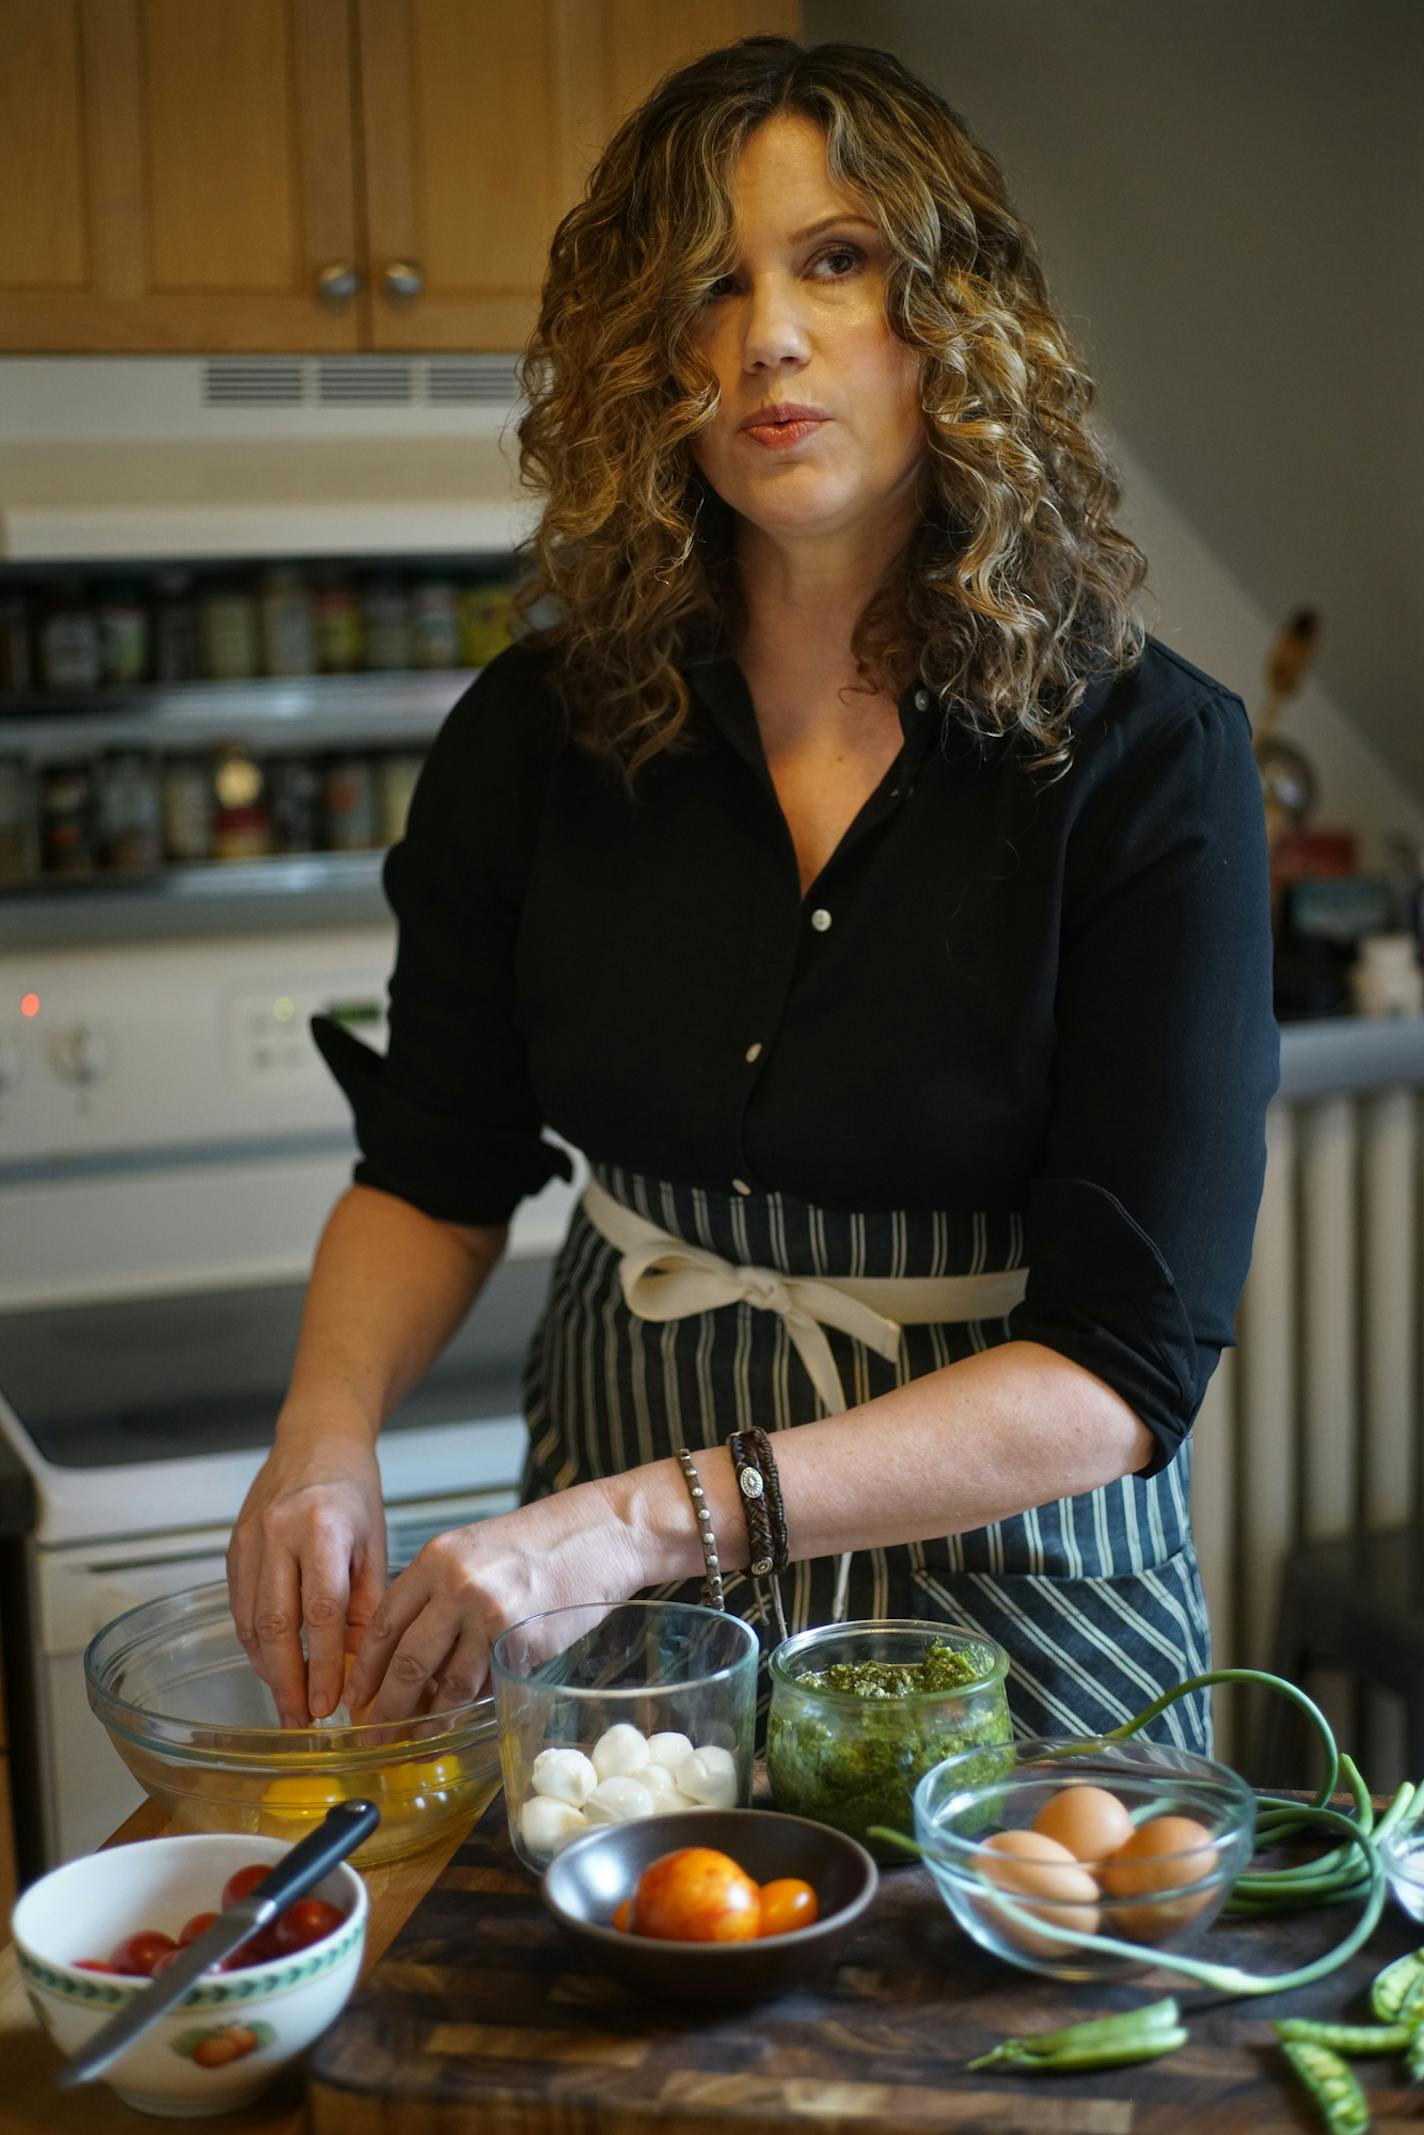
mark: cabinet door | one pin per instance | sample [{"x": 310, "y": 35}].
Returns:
[
  {"x": 480, "y": 120},
  {"x": 177, "y": 174}
]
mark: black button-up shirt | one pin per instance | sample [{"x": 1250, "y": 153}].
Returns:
[{"x": 1043, "y": 998}]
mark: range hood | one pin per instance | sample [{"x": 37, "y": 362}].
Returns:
[{"x": 127, "y": 458}]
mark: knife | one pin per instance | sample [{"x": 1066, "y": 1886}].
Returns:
[{"x": 339, "y": 1833}]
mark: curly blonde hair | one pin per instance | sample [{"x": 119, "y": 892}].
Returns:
[{"x": 1014, "y": 590}]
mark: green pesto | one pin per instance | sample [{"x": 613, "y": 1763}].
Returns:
[{"x": 856, "y": 1764}]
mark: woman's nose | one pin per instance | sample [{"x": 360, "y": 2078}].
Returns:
[{"x": 773, "y": 328}]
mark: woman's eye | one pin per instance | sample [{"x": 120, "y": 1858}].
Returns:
[{"x": 846, "y": 253}]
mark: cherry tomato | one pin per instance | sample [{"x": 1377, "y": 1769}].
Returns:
[
  {"x": 164, "y": 1959},
  {"x": 787, "y": 1904},
  {"x": 91, "y": 1964},
  {"x": 696, "y": 1895},
  {"x": 192, "y": 1929},
  {"x": 258, "y": 1949},
  {"x": 306, "y": 1922},
  {"x": 622, "y": 1920},
  {"x": 137, "y": 1954},
  {"x": 243, "y": 1881}
]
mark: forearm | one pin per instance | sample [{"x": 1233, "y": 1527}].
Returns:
[
  {"x": 388, "y": 1288},
  {"x": 977, "y": 1441}
]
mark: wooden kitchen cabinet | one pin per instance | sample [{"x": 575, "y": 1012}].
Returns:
[
  {"x": 178, "y": 175},
  {"x": 479, "y": 123},
  {"x": 314, "y": 175}
]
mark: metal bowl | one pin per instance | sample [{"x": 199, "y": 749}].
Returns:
[
  {"x": 197, "y": 1728},
  {"x": 587, "y": 1883}
]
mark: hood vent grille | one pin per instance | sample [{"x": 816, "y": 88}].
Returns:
[{"x": 359, "y": 381}]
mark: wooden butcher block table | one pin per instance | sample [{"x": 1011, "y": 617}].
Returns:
[{"x": 483, "y": 2017}]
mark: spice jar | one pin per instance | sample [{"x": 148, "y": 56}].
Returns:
[
  {"x": 242, "y": 824},
  {"x": 227, "y": 625},
  {"x": 70, "y": 651},
  {"x": 130, "y": 816},
  {"x": 486, "y": 620},
  {"x": 435, "y": 624},
  {"x": 385, "y": 621},
  {"x": 337, "y": 617},
  {"x": 124, "y": 633},
  {"x": 349, "y": 792},
  {"x": 1386, "y": 980},
  {"x": 187, "y": 809},
  {"x": 175, "y": 629},
  {"x": 19, "y": 821},
  {"x": 396, "y": 779},
  {"x": 67, "y": 819},
  {"x": 294, "y": 790},
  {"x": 288, "y": 635}
]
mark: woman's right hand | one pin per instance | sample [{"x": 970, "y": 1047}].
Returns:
[{"x": 308, "y": 1549}]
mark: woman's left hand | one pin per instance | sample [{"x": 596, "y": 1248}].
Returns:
[{"x": 428, "y": 1645}]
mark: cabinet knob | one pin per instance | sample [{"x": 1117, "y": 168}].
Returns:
[
  {"x": 404, "y": 279},
  {"x": 338, "y": 281}
]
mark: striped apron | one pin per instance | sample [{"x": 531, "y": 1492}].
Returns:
[{"x": 1097, "y": 1599}]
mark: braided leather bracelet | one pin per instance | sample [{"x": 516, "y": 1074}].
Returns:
[
  {"x": 765, "y": 1458},
  {"x": 755, "y": 1511}
]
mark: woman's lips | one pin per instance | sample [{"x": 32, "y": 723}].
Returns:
[{"x": 777, "y": 437}]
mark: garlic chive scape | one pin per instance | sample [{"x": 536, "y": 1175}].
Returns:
[{"x": 1352, "y": 1871}]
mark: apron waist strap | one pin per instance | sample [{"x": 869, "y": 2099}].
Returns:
[{"x": 663, "y": 1277}]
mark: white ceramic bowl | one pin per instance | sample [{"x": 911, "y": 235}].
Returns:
[{"x": 219, "y": 2046}]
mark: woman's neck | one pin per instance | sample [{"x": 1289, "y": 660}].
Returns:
[{"x": 802, "y": 598}]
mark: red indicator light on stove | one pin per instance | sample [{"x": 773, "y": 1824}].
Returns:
[{"x": 29, "y": 1004}]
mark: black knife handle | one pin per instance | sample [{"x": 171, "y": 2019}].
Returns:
[{"x": 340, "y": 1832}]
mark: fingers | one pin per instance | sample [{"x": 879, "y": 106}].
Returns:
[
  {"x": 326, "y": 1567},
  {"x": 465, "y": 1673},
  {"x": 398, "y": 1608},
  {"x": 277, "y": 1650}
]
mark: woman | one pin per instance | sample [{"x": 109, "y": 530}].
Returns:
[{"x": 850, "y": 876}]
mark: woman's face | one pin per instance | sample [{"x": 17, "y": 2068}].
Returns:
[{"x": 801, "y": 320}]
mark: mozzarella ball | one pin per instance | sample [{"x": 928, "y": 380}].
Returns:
[
  {"x": 618, "y": 1801},
  {"x": 620, "y": 1752},
  {"x": 564, "y": 1775},
  {"x": 668, "y": 1750},
  {"x": 546, "y": 1826},
  {"x": 709, "y": 1777},
  {"x": 662, "y": 1789}
]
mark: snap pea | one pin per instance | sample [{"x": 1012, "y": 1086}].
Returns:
[
  {"x": 1399, "y": 1989},
  {"x": 1345, "y": 2038},
  {"x": 1414, "y": 2053},
  {"x": 1331, "y": 2087},
  {"x": 1102, "y": 2042}
]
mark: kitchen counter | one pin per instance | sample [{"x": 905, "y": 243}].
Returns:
[
  {"x": 29, "y": 2101},
  {"x": 480, "y": 2016}
]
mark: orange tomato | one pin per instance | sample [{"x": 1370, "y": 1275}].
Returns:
[
  {"x": 623, "y": 1918},
  {"x": 787, "y": 1904},
  {"x": 697, "y": 1895}
]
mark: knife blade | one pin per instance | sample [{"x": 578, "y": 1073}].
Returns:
[{"x": 341, "y": 1830}]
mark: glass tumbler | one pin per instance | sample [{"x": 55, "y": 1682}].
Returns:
[{"x": 612, "y": 1710}]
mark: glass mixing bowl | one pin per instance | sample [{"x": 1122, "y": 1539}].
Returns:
[
  {"x": 850, "y": 1760},
  {"x": 1160, "y": 1898},
  {"x": 198, "y": 1729}
]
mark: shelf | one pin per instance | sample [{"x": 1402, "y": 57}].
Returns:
[
  {"x": 273, "y": 714},
  {"x": 287, "y": 890}
]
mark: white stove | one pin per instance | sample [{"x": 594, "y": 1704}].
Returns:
[{"x": 170, "y": 1144}]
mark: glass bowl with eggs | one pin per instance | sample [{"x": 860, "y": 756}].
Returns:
[
  {"x": 198, "y": 1730},
  {"x": 611, "y": 1711},
  {"x": 1137, "y": 1841}
]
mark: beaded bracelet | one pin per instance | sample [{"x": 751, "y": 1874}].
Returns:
[{"x": 712, "y": 1595}]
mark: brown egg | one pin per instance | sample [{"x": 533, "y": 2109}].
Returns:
[
  {"x": 1167, "y": 1853},
  {"x": 1028, "y": 1865},
  {"x": 1089, "y": 1821}
]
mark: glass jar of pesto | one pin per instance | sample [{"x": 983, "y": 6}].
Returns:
[{"x": 861, "y": 1711}]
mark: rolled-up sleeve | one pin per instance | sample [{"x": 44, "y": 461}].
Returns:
[
  {"x": 1140, "y": 1217},
  {"x": 447, "y": 1118}
]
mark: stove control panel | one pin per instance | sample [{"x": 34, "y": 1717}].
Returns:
[{"x": 165, "y": 1045}]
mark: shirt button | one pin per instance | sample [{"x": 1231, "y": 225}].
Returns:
[
  {"x": 740, "y": 1186},
  {"x": 754, "y": 1052},
  {"x": 922, "y": 700},
  {"x": 820, "y": 919}
]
